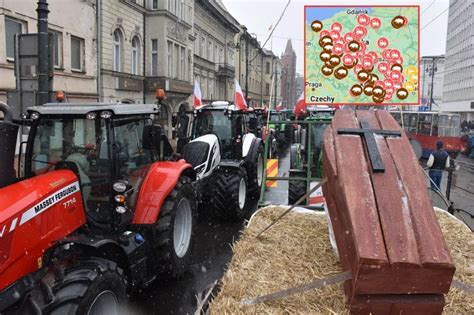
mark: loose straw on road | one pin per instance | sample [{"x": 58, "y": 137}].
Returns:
[{"x": 324, "y": 180}]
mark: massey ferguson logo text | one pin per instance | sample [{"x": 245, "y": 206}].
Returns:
[
  {"x": 55, "y": 198},
  {"x": 40, "y": 207}
]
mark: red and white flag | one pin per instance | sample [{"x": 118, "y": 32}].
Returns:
[
  {"x": 197, "y": 94},
  {"x": 239, "y": 97},
  {"x": 300, "y": 106}
]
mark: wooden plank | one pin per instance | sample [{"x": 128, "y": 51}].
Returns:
[
  {"x": 393, "y": 209},
  {"x": 359, "y": 201},
  {"x": 417, "y": 304},
  {"x": 432, "y": 247}
]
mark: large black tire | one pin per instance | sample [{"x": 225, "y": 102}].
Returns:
[
  {"x": 253, "y": 164},
  {"x": 296, "y": 189},
  {"x": 225, "y": 201},
  {"x": 78, "y": 290},
  {"x": 173, "y": 260}
]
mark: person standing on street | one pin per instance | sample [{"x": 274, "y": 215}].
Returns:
[{"x": 437, "y": 162}]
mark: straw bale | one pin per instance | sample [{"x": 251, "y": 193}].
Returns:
[{"x": 296, "y": 251}]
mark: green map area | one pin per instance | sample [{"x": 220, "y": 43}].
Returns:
[{"x": 322, "y": 89}]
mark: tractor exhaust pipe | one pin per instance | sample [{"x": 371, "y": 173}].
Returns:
[
  {"x": 8, "y": 140},
  {"x": 43, "y": 49}
]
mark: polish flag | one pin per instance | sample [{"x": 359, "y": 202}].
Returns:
[
  {"x": 279, "y": 107},
  {"x": 300, "y": 106},
  {"x": 197, "y": 94},
  {"x": 239, "y": 97}
]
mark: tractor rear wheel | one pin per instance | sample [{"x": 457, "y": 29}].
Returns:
[
  {"x": 92, "y": 286},
  {"x": 230, "y": 195},
  {"x": 175, "y": 229},
  {"x": 296, "y": 189}
]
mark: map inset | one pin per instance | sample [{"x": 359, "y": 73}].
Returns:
[{"x": 362, "y": 55}]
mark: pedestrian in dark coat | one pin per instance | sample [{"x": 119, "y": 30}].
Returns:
[{"x": 437, "y": 162}]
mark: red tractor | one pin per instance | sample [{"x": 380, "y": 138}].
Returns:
[{"x": 102, "y": 209}]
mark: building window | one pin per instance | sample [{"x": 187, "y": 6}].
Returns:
[
  {"x": 135, "y": 55},
  {"x": 176, "y": 61},
  {"x": 154, "y": 4},
  {"x": 267, "y": 88},
  {"x": 57, "y": 49},
  {"x": 170, "y": 59},
  {"x": 211, "y": 89},
  {"x": 171, "y": 5},
  {"x": 196, "y": 43},
  {"x": 209, "y": 51},
  {"x": 154, "y": 57},
  {"x": 118, "y": 46},
  {"x": 267, "y": 67},
  {"x": 77, "y": 53},
  {"x": 12, "y": 27},
  {"x": 221, "y": 54},
  {"x": 216, "y": 54},
  {"x": 202, "y": 49},
  {"x": 182, "y": 66}
]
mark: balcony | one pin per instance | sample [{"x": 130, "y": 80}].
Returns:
[{"x": 225, "y": 70}]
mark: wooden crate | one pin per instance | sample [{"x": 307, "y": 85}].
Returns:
[{"x": 386, "y": 231}]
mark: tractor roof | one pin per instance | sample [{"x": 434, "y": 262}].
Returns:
[
  {"x": 220, "y": 105},
  {"x": 84, "y": 108}
]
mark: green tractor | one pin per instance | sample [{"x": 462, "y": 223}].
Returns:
[
  {"x": 306, "y": 150},
  {"x": 282, "y": 131}
]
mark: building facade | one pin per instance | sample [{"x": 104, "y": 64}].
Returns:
[
  {"x": 214, "y": 50},
  {"x": 75, "y": 54},
  {"x": 458, "y": 90},
  {"x": 124, "y": 50},
  {"x": 431, "y": 81},
  {"x": 120, "y": 49},
  {"x": 169, "y": 41},
  {"x": 249, "y": 67},
  {"x": 271, "y": 83},
  {"x": 288, "y": 84},
  {"x": 299, "y": 84}
]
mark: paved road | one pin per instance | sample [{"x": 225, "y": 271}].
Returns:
[
  {"x": 462, "y": 190},
  {"x": 211, "y": 254},
  {"x": 279, "y": 195}
]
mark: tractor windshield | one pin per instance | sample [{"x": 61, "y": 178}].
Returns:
[
  {"x": 80, "y": 145},
  {"x": 213, "y": 122}
]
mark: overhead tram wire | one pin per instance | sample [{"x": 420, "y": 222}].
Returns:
[
  {"x": 276, "y": 25},
  {"x": 429, "y": 6},
  {"x": 434, "y": 19}
]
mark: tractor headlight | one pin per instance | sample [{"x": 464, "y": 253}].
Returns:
[
  {"x": 119, "y": 187},
  {"x": 121, "y": 209},
  {"x": 91, "y": 115},
  {"x": 105, "y": 114},
  {"x": 34, "y": 115},
  {"x": 120, "y": 198}
]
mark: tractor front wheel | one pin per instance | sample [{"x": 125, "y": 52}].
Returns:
[
  {"x": 255, "y": 170},
  {"x": 92, "y": 286},
  {"x": 175, "y": 229},
  {"x": 230, "y": 195}
]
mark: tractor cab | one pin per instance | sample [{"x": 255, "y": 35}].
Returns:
[
  {"x": 225, "y": 121},
  {"x": 110, "y": 147}
]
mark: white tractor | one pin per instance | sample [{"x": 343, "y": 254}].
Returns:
[{"x": 228, "y": 160}]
